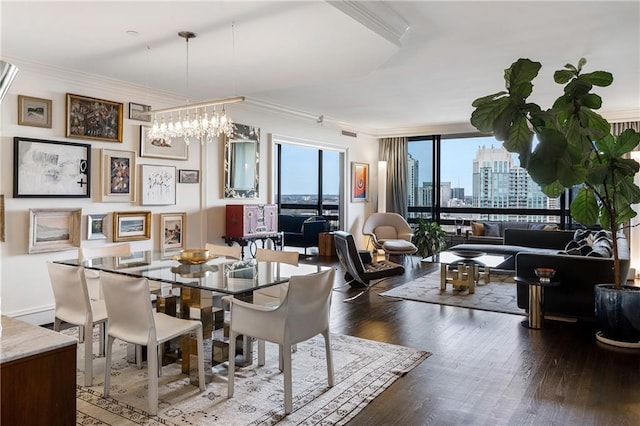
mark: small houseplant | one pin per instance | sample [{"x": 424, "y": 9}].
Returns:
[
  {"x": 574, "y": 146},
  {"x": 429, "y": 238}
]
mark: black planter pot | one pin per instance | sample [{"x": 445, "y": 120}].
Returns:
[{"x": 618, "y": 313}]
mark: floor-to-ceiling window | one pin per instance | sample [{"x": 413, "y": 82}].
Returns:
[
  {"x": 474, "y": 178},
  {"x": 308, "y": 180}
]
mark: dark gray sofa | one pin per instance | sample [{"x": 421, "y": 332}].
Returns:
[
  {"x": 493, "y": 232},
  {"x": 301, "y": 231},
  {"x": 577, "y": 275}
]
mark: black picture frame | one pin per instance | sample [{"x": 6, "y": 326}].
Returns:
[{"x": 46, "y": 169}]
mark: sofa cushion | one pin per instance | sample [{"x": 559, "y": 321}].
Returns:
[
  {"x": 477, "y": 228},
  {"x": 492, "y": 229}
]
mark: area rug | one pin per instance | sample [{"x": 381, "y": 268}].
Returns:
[
  {"x": 499, "y": 295},
  {"x": 363, "y": 370}
]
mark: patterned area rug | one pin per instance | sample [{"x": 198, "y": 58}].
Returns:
[
  {"x": 363, "y": 369},
  {"x": 499, "y": 295}
]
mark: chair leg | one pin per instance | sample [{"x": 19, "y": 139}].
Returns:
[
  {"x": 107, "y": 366},
  {"x": 261, "y": 352},
  {"x": 88, "y": 356},
  {"x": 329, "y": 354},
  {"x": 288, "y": 388},
  {"x": 232, "y": 363},
  {"x": 56, "y": 324},
  {"x": 103, "y": 337},
  {"x": 199, "y": 337},
  {"x": 139, "y": 356},
  {"x": 152, "y": 365}
]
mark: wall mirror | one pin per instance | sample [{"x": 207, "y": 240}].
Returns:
[{"x": 241, "y": 162}]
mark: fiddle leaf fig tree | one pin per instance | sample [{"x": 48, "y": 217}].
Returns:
[{"x": 574, "y": 143}]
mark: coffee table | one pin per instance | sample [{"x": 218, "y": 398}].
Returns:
[{"x": 463, "y": 270}]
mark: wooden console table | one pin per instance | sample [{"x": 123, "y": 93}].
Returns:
[{"x": 38, "y": 369}]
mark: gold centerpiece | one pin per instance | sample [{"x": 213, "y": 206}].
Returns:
[{"x": 193, "y": 256}]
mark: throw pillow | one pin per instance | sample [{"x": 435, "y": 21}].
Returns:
[
  {"x": 551, "y": 227},
  {"x": 491, "y": 229},
  {"x": 477, "y": 228}
]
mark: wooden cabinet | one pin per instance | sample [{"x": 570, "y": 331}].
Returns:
[{"x": 38, "y": 370}]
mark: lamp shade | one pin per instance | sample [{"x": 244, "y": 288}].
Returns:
[{"x": 7, "y": 74}]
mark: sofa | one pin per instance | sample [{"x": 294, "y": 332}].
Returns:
[
  {"x": 577, "y": 273},
  {"x": 490, "y": 232},
  {"x": 301, "y": 231}
]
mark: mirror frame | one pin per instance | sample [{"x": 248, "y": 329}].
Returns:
[{"x": 241, "y": 133}]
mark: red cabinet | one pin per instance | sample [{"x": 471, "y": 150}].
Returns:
[{"x": 251, "y": 220}]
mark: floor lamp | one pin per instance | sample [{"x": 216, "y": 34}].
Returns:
[{"x": 382, "y": 186}]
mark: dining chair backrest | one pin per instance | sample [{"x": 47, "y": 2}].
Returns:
[
  {"x": 268, "y": 255},
  {"x": 93, "y": 277},
  {"x": 70, "y": 293},
  {"x": 128, "y": 308},
  {"x": 85, "y": 253},
  {"x": 234, "y": 252}
]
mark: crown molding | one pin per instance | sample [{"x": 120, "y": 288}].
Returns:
[{"x": 378, "y": 16}]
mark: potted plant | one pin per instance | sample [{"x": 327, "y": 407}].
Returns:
[
  {"x": 574, "y": 148},
  {"x": 429, "y": 238}
]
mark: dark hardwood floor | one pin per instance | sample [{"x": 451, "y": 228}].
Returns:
[{"x": 486, "y": 368}]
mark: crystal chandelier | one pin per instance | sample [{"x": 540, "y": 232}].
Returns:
[{"x": 194, "y": 120}]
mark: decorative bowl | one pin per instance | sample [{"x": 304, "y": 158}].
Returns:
[
  {"x": 468, "y": 254},
  {"x": 193, "y": 256},
  {"x": 545, "y": 274}
]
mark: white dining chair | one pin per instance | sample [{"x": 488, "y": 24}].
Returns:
[
  {"x": 272, "y": 296},
  {"x": 303, "y": 314},
  {"x": 92, "y": 276},
  {"x": 133, "y": 320},
  {"x": 73, "y": 306},
  {"x": 233, "y": 252}
]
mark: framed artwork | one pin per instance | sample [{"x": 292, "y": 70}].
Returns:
[
  {"x": 138, "y": 112},
  {"x": 172, "y": 231},
  {"x": 54, "y": 229},
  {"x": 359, "y": 182},
  {"x": 44, "y": 168},
  {"x": 188, "y": 176},
  {"x": 174, "y": 149},
  {"x": 118, "y": 176},
  {"x": 2, "y": 218},
  {"x": 158, "y": 185},
  {"x": 34, "y": 112},
  {"x": 131, "y": 226},
  {"x": 91, "y": 118},
  {"x": 96, "y": 227}
]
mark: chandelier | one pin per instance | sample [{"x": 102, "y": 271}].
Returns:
[
  {"x": 198, "y": 121},
  {"x": 201, "y": 120}
]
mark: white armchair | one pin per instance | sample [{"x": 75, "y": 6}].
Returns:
[
  {"x": 303, "y": 314},
  {"x": 390, "y": 232}
]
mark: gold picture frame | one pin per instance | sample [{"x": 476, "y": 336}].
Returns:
[
  {"x": 35, "y": 112},
  {"x": 131, "y": 226},
  {"x": 92, "y": 118}
]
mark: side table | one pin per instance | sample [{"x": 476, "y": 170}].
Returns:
[{"x": 535, "y": 319}]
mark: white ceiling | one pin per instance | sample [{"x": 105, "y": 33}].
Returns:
[{"x": 312, "y": 57}]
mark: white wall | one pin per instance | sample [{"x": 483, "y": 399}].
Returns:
[{"x": 24, "y": 287}]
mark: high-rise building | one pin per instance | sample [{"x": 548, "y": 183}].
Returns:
[
  {"x": 499, "y": 183},
  {"x": 412, "y": 181}
]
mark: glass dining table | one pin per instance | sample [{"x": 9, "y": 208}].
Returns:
[{"x": 196, "y": 291}]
